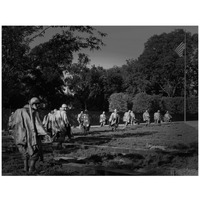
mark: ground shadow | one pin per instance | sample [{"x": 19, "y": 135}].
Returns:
[
  {"x": 137, "y": 134},
  {"x": 91, "y": 132},
  {"x": 91, "y": 140},
  {"x": 109, "y": 129},
  {"x": 101, "y": 139}
]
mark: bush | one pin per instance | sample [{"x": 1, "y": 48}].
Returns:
[
  {"x": 168, "y": 103},
  {"x": 142, "y": 102},
  {"x": 118, "y": 101},
  {"x": 192, "y": 105},
  {"x": 175, "y": 105},
  {"x": 155, "y": 103}
]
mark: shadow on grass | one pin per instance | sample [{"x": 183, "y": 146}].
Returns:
[
  {"x": 137, "y": 134},
  {"x": 100, "y": 130},
  {"x": 92, "y": 132},
  {"x": 101, "y": 139},
  {"x": 91, "y": 140}
]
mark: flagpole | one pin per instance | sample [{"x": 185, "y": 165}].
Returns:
[{"x": 185, "y": 92}]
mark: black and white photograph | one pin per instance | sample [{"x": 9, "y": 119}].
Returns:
[
  {"x": 100, "y": 100},
  {"x": 84, "y": 101}
]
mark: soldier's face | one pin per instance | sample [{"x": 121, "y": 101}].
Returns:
[{"x": 35, "y": 106}]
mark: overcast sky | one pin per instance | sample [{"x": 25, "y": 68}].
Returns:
[{"x": 122, "y": 42}]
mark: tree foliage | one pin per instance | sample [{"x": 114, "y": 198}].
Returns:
[
  {"x": 133, "y": 80},
  {"x": 15, "y": 62},
  {"x": 161, "y": 65},
  {"x": 38, "y": 71}
]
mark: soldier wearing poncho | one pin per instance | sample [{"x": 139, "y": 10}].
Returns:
[
  {"x": 27, "y": 132},
  {"x": 80, "y": 119},
  {"x": 167, "y": 117},
  {"x": 146, "y": 117},
  {"x": 47, "y": 121},
  {"x": 86, "y": 121},
  {"x": 127, "y": 118},
  {"x": 62, "y": 124},
  {"x": 102, "y": 119},
  {"x": 114, "y": 120},
  {"x": 133, "y": 119},
  {"x": 157, "y": 117},
  {"x": 50, "y": 123}
]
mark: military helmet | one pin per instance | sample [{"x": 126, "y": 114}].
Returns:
[
  {"x": 34, "y": 100},
  {"x": 64, "y": 106}
]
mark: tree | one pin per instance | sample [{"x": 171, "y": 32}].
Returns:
[
  {"x": 78, "y": 80},
  {"x": 162, "y": 66},
  {"x": 15, "y": 62},
  {"x": 113, "y": 81},
  {"x": 56, "y": 55},
  {"x": 96, "y": 80},
  {"x": 39, "y": 71},
  {"x": 133, "y": 81},
  {"x": 192, "y": 67},
  {"x": 87, "y": 84}
]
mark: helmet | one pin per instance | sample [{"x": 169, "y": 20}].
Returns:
[
  {"x": 34, "y": 100},
  {"x": 64, "y": 106}
]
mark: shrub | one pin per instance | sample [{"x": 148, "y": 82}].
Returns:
[
  {"x": 175, "y": 105},
  {"x": 155, "y": 103},
  {"x": 118, "y": 101},
  {"x": 192, "y": 105},
  {"x": 142, "y": 102}
]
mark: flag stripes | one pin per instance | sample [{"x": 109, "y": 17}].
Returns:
[{"x": 179, "y": 49}]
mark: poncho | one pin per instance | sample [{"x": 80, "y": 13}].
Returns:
[{"x": 27, "y": 128}]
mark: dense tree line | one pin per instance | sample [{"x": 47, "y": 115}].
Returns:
[
  {"x": 39, "y": 71},
  {"x": 48, "y": 70}
]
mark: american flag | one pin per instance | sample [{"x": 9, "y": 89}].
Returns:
[{"x": 179, "y": 49}]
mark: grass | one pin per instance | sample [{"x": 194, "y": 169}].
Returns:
[{"x": 179, "y": 158}]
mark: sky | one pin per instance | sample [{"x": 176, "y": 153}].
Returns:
[{"x": 122, "y": 42}]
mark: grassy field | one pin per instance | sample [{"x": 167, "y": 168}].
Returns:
[{"x": 167, "y": 149}]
